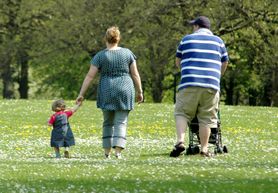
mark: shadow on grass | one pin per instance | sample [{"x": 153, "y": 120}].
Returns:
[
  {"x": 138, "y": 183},
  {"x": 155, "y": 155}
]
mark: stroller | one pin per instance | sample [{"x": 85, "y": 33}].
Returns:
[
  {"x": 215, "y": 138},
  {"x": 194, "y": 139}
]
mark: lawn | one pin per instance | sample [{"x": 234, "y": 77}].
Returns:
[{"x": 27, "y": 162}]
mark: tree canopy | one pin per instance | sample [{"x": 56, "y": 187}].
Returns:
[{"x": 46, "y": 46}]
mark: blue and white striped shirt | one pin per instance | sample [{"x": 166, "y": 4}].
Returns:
[{"x": 202, "y": 55}]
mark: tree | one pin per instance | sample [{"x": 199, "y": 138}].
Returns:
[
  {"x": 52, "y": 44},
  {"x": 20, "y": 20},
  {"x": 9, "y": 30},
  {"x": 249, "y": 30}
]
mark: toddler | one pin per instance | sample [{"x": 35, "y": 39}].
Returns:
[{"x": 61, "y": 135}]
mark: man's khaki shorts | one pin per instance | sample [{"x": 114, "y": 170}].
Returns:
[{"x": 200, "y": 102}]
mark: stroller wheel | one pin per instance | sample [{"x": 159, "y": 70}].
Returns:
[
  {"x": 196, "y": 150},
  {"x": 218, "y": 150},
  {"x": 225, "y": 149},
  {"x": 192, "y": 150},
  {"x": 189, "y": 151}
]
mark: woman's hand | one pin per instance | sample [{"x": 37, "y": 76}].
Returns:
[
  {"x": 140, "y": 97},
  {"x": 79, "y": 100}
]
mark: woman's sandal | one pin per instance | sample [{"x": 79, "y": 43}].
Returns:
[{"x": 178, "y": 149}]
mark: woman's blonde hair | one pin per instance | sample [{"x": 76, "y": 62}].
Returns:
[
  {"x": 113, "y": 35},
  {"x": 58, "y": 105}
]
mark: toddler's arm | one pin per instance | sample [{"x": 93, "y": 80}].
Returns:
[
  {"x": 76, "y": 107},
  {"x": 51, "y": 120}
]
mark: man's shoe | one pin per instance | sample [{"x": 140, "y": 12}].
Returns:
[{"x": 178, "y": 149}]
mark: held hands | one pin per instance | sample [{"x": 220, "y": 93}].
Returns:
[
  {"x": 78, "y": 103},
  {"x": 79, "y": 100}
]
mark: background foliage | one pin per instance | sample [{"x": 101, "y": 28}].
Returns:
[{"x": 46, "y": 46}]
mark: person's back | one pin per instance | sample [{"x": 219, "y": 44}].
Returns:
[
  {"x": 116, "y": 88},
  {"x": 114, "y": 62},
  {"x": 201, "y": 56},
  {"x": 202, "y": 59},
  {"x": 61, "y": 134}
]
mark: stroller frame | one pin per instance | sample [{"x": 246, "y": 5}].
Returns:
[{"x": 215, "y": 138}]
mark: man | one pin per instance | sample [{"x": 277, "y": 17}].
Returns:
[{"x": 202, "y": 58}]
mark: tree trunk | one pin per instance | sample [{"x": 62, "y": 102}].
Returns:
[
  {"x": 23, "y": 76},
  {"x": 229, "y": 88},
  {"x": 157, "y": 78},
  {"x": 8, "y": 86},
  {"x": 252, "y": 97},
  {"x": 157, "y": 88},
  {"x": 274, "y": 94}
]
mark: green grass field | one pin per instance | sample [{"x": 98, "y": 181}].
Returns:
[{"x": 27, "y": 163}]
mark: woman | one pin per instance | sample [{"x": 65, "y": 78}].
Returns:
[{"x": 116, "y": 93}]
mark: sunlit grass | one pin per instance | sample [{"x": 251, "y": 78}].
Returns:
[{"x": 27, "y": 163}]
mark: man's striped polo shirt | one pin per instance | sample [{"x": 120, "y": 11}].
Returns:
[{"x": 201, "y": 54}]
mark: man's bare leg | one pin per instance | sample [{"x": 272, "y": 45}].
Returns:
[
  {"x": 181, "y": 126},
  {"x": 204, "y": 134}
]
